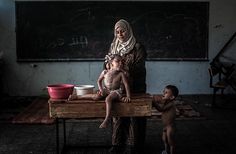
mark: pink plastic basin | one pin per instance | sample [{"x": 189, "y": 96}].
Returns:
[{"x": 60, "y": 91}]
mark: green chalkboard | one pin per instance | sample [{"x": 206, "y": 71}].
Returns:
[{"x": 83, "y": 30}]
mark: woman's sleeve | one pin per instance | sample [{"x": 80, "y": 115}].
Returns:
[
  {"x": 138, "y": 69},
  {"x": 140, "y": 56},
  {"x": 107, "y": 58}
]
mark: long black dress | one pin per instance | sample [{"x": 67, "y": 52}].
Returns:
[{"x": 125, "y": 128}]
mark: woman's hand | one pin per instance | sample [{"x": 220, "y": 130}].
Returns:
[{"x": 126, "y": 99}]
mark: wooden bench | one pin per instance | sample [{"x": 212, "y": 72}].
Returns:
[
  {"x": 140, "y": 105},
  {"x": 61, "y": 109}
]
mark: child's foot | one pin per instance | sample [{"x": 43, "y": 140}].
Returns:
[
  {"x": 72, "y": 97},
  {"x": 104, "y": 124},
  {"x": 164, "y": 152}
]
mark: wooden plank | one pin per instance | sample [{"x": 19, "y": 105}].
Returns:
[{"x": 140, "y": 105}]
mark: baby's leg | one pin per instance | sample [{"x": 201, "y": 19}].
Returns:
[
  {"x": 164, "y": 138},
  {"x": 170, "y": 138},
  {"x": 83, "y": 97},
  {"x": 109, "y": 100}
]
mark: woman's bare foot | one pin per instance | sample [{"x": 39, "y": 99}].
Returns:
[{"x": 104, "y": 124}]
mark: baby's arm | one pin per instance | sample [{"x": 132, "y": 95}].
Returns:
[
  {"x": 127, "y": 89},
  {"x": 155, "y": 102},
  {"x": 124, "y": 72},
  {"x": 167, "y": 106},
  {"x": 99, "y": 82},
  {"x": 160, "y": 105}
]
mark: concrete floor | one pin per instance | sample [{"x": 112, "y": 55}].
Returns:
[{"x": 215, "y": 134}]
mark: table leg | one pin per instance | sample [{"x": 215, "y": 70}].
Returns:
[
  {"x": 57, "y": 135},
  {"x": 64, "y": 132}
]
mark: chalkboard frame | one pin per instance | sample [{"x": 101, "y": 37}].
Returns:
[{"x": 28, "y": 55}]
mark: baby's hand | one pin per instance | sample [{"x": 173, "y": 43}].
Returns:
[
  {"x": 156, "y": 99},
  {"x": 126, "y": 99},
  {"x": 100, "y": 92},
  {"x": 177, "y": 111}
]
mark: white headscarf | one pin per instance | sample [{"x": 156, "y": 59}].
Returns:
[{"x": 122, "y": 48}]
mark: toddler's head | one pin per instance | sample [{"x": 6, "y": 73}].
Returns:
[
  {"x": 116, "y": 61},
  {"x": 170, "y": 92}
]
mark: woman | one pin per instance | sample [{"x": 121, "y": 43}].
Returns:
[{"x": 134, "y": 55}]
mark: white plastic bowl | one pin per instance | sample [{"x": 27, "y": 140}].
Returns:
[{"x": 84, "y": 89}]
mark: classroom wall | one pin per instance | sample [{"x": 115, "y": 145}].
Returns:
[{"x": 30, "y": 79}]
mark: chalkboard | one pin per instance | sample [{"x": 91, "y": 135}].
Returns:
[{"x": 83, "y": 30}]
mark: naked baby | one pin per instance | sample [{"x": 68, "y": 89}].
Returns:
[
  {"x": 112, "y": 85},
  {"x": 166, "y": 106}
]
